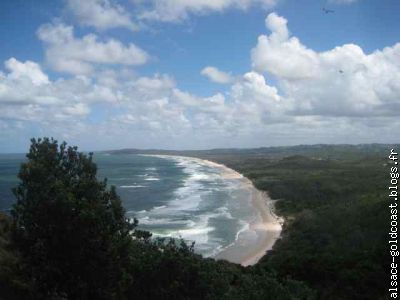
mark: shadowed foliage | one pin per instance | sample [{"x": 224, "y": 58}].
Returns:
[
  {"x": 68, "y": 238},
  {"x": 333, "y": 199},
  {"x": 70, "y": 229}
]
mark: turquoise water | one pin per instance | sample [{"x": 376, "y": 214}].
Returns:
[{"x": 173, "y": 196}]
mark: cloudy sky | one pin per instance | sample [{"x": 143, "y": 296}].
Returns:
[{"x": 195, "y": 74}]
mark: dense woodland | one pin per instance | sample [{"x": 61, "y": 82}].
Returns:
[
  {"x": 334, "y": 202},
  {"x": 67, "y": 237}
]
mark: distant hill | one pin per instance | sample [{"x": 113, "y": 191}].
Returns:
[
  {"x": 325, "y": 151},
  {"x": 333, "y": 199}
]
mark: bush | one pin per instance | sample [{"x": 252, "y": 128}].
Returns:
[{"x": 70, "y": 229}]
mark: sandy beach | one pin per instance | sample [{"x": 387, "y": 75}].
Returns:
[
  {"x": 261, "y": 234},
  {"x": 253, "y": 243}
]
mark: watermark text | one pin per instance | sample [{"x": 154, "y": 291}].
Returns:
[{"x": 393, "y": 231}]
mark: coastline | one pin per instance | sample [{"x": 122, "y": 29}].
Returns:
[{"x": 261, "y": 233}]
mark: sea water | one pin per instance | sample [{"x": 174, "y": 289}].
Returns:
[{"x": 170, "y": 196}]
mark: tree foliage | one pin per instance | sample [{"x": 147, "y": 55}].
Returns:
[
  {"x": 69, "y": 239},
  {"x": 333, "y": 199},
  {"x": 69, "y": 227}
]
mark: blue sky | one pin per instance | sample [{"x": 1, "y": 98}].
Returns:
[{"x": 133, "y": 73}]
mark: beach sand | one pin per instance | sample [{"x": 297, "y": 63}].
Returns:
[{"x": 253, "y": 242}]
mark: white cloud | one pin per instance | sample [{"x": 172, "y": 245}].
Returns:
[
  {"x": 255, "y": 103},
  {"x": 216, "y": 75},
  {"x": 145, "y": 106},
  {"x": 278, "y": 27},
  {"x": 66, "y": 53},
  {"x": 79, "y": 109},
  {"x": 35, "y": 91},
  {"x": 156, "y": 86},
  {"x": 101, "y": 14},
  {"x": 254, "y": 88},
  {"x": 178, "y": 10},
  {"x": 154, "y": 112},
  {"x": 331, "y": 96},
  {"x": 340, "y": 82},
  {"x": 282, "y": 56},
  {"x": 27, "y": 70}
]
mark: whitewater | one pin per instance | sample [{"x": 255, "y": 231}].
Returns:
[{"x": 183, "y": 197}]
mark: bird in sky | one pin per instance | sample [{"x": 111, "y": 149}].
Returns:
[{"x": 327, "y": 11}]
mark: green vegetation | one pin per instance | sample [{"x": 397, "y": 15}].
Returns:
[
  {"x": 68, "y": 238},
  {"x": 13, "y": 282},
  {"x": 335, "y": 235},
  {"x": 70, "y": 229}
]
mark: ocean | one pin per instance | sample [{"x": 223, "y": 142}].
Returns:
[{"x": 176, "y": 197}]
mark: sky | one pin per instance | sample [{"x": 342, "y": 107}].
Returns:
[{"x": 199, "y": 74}]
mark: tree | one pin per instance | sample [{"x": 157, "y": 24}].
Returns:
[
  {"x": 13, "y": 281},
  {"x": 69, "y": 227},
  {"x": 70, "y": 240}
]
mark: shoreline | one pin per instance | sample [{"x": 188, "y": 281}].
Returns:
[
  {"x": 265, "y": 230},
  {"x": 253, "y": 242}
]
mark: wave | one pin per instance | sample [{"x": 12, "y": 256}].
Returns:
[
  {"x": 159, "y": 221},
  {"x": 196, "y": 185},
  {"x": 159, "y": 207},
  {"x": 245, "y": 227},
  {"x": 187, "y": 202},
  {"x": 224, "y": 212},
  {"x": 197, "y": 228},
  {"x": 132, "y": 186},
  {"x": 191, "y": 212},
  {"x": 152, "y": 179},
  {"x": 148, "y": 177}
]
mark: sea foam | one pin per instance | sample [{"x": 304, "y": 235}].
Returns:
[{"x": 201, "y": 198}]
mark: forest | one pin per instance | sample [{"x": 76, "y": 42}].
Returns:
[
  {"x": 67, "y": 236},
  {"x": 334, "y": 202}
]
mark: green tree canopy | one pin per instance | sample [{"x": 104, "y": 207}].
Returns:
[
  {"x": 70, "y": 228},
  {"x": 71, "y": 240}
]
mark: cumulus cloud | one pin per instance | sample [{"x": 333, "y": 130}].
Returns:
[
  {"x": 343, "y": 81},
  {"x": 79, "y": 109},
  {"x": 146, "y": 103},
  {"x": 253, "y": 87},
  {"x": 27, "y": 70},
  {"x": 254, "y": 103},
  {"x": 216, "y": 75},
  {"x": 282, "y": 56},
  {"x": 33, "y": 96},
  {"x": 329, "y": 96},
  {"x": 101, "y": 14},
  {"x": 177, "y": 10},
  {"x": 145, "y": 106},
  {"x": 67, "y": 53}
]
